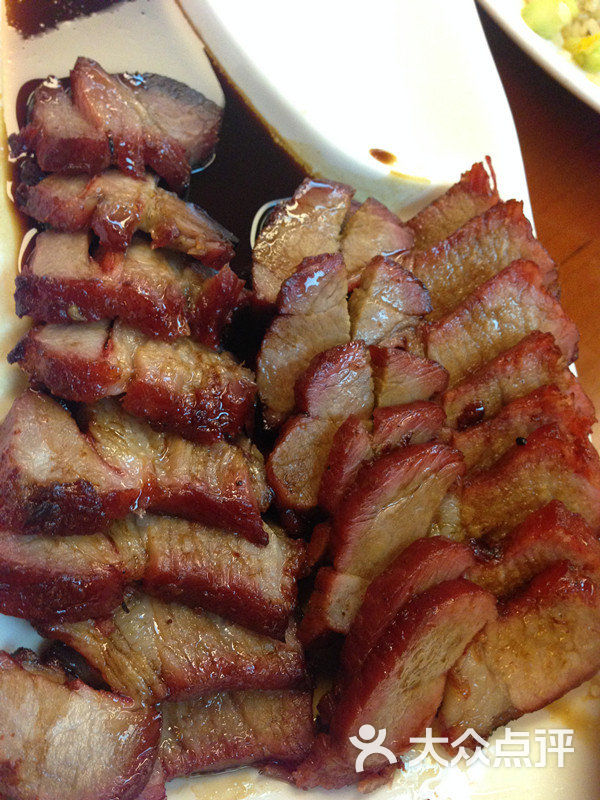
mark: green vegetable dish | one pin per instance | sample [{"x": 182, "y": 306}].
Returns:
[{"x": 572, "y": 24}]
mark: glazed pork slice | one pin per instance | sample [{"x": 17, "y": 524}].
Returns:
[
  {"x": 544, "y": 643},
  {"x": 482, "y": 445},
  {"x": 401, "y": 683},
  {"x": 58, "y": 724},
  {"x": 309, "y": 224},
  {"x": 497, "y": 316},
  {"x": 387, "y": 301},
  {"x": 115, "y": 206},
  {"x": 183, "y": 387},
  {"x": 230, "y": 729},
  {"x": 152, "y": 650},
  {"x": 534, "y": 362},
  {"x": 452, "y": 269},
  {"x": 551, "y": 465},
  {"x": 158, "y": 292},
  {"x": 371, "y": 230},
  {"x": 312, "y": 317},
  {"x": 336, "y": 384},
  {"x": 401, "y": 377},
  {"x": 550, "y": 534},
  {"x": 474, "y": 194}
]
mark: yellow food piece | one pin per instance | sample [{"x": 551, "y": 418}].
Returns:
[{"x": 548, "y": 17}]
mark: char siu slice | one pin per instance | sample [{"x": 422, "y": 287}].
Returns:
[
  {"x": 544, "y": 643},
  {"x": 474, "y": 194},
  {"x": 115, "y": 206},
  {"x": 336, "y": 384},
  {"x": 62, "y": 578},
  {"x": 412, "y": 423},
  {"x": 372, "y": 230},
  {"x": 152, "y": 650},
  {"x": 496, "y": 316},
  {"x": 536, "y": 361},
  {"x": 552, "y": 465},
  {"x": 230, "y": 729},
  {"x": 551, "y": 534},
  {"x": 401, "y": 377},
  {"x": 401, "y": 683},
  {"x": 307, "y": 225},
  {"x": 452, "y": 269},
  {"x": 61, "y": 738},
  {"x": 482, "y": 445},
  {"x": 183, "y": 387},
  {"x": 60, "y": 136},
  {"x": 388, "y": 301},
  {"x": 313, "y": 317}
]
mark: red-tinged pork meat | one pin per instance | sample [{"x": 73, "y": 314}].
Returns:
[
  {"x": 160, "y": 293},
  {"x": 220, "y": 484},
  {"x": 551, "y": 466},
  {"x": 183, "y": 387},
  {"x": 401, "y": 683},
  {"x": 452, "y": 269},
  {"x": 372, "y": 230},
  {"x": 51, "y": 726},
  {"x": 482, "y": 445},
  {"x": 313, "y": 317},
  {"x": 350, "y": 447},
  {"x": 388, "y": 301},
  {"x": 307, "y": 225},
  {"x": 546, "y": 536},
  {"x": 333, "y": 604},
  {"x": 474, "y": 194},
  {"x": 53, "y": 479},
  {"x": 544, "y": 643},
  {"x": 413, "y": 423},
  {"x": 230, "y": 729},
  {"x": 146, "y": 119},
  {"x": 401, "y": 377},
  {"x": 536, "y": 361},
  {"x": 497, "y": 316},
  {"x": 115, "y": 206},
  {"x": 152, "y": 650},
  {"x": 60, "y": 136},
  {"x": 391, "y": 504},
  {"x": 337, "y": 384}
]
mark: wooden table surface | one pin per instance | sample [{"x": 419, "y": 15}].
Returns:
[{"x": 560, "y": 143}]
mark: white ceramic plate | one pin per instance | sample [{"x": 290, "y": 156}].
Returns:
[
  {"x": 335, "y": 79},
  {"x": 556, "y": 61}
]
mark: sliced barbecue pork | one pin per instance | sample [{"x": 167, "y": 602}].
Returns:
[
  {"x": 371, "y": 230},
  {"x": 496, "y": 316},
  {"x": 401, "y": 377},
  {"x": 312, "y": 317},
  {"x": 401, "y": 683},
  {"x": 115, "y": 206},
  {"x": 152, "y": 650},
  {"x": 551, "y": 465},
  {"x": 482, "y": 445},
  {"x": 60, "y": 738},
  {"x": 182, "y": 387},
  {"x": 536, "y": 361},
  {"x": 545, "y": 642},
  {"x": 337, "y": 384},
  {"x": 388, "y": 301},
  {"x": 57, "y": 480},
  {"x": 452, "y": 269},
  {"x": 48, "y": 579},
  {"x": 158, "y": 292},
  {"x": 230, "y": 729},
  {"x": 474, "y": 194},
  {"x": 309, "y": 224}
]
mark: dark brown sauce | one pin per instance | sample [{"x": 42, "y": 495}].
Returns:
[
  {"x": 383, "y": 156},
  {"x": 471, "y": 415},
  {"x": 31, "y": 17}
]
